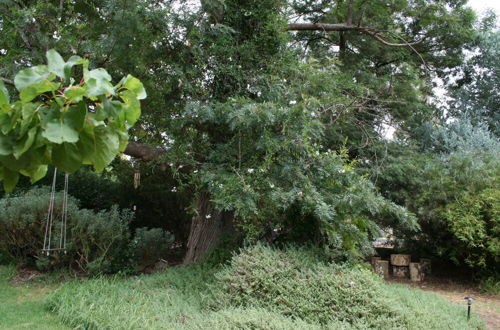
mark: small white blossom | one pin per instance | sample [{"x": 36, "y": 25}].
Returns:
[
  {"x": 300, "y": 193},
  {"x": 313, "y": 114},
  {"x": 195, "y": 171},
  {"x": 174, "y": 189},
  {"x": 208, "y": 216},
  {"x": 250, "y": 170},
  {"x": 171, "y": 164},
  {"x": 181, "y": 166},
  {"x": 221, "y": 185},
  {"x": 271, "y": 185},
  {"x": 262, "y": 170},
  {"x": 341, "y": 171},
  {"x": 292, "y": 102}
]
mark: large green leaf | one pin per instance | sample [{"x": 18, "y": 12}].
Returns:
[
  {"x": 106, "y": 146},
  {"x": 28, "y": 111},
  {"x": 72, "y": 61},
  {"x": 32, "y": 76},
  {"x": 75, "y": 116},
  {"x": 6, "y": 144},
  {"x": 10, "y": 179},
  {"x": 55, "y": 63},
  {"x": 75, "y": 93},
  {"x": 67, "y": 157},
  {"x": 23, "y": 146},
  {"x": 99, "y": 87},
  {"x": 39, "y": 173},
  {"x": 4, "y": 94},
  {"x": 135, "y": 85},
  {"x": 63, "y": 127},
  {"x": 58, "y": 131},
  {"x": 28, "y": 93},
  {"x": 98, "y": 82}
]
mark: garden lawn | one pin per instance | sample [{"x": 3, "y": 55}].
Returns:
[
  {"x": 297, "y": 293},
  {"x": 22, "y": 307}
]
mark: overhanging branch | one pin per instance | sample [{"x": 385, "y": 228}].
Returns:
[
  {"x": 374, "y": 33},
  {"x": 143, "y": 152}
]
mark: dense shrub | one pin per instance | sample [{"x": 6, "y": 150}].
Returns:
[
  {"x": 475, "y": 222},
  {"x": 98, "y": 242},
  {"x": 149, "y": 245},
  {"x": 296, "y": 283}
]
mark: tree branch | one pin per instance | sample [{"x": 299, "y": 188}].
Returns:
[
  {"x": 347, "y": 27},
  {"x": 143, "y": 152},
  {"x": 7, "y": 81}
]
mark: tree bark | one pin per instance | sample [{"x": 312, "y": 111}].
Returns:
[
  {"x": 143, "y": 151},
  {"x": 206, "y": 230}
]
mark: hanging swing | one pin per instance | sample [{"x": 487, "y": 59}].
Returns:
[{"x": 48, "y": 244}]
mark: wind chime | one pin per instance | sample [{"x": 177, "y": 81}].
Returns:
[
  {"x": 48, "y": 243},
  {"x": 137, "y": 183}
]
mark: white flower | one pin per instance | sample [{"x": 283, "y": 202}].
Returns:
[
  {"x": 262, "y": 170},
  {"x": 271, "y": 185},
  {"x": 181, "y": 166},
  {"x": 300, "y": 193},
  {"x": 292, "y": 102},
  {"x": 195, "y": 171},
  {"x": 250, "y": 170},
  {"x": 171, "y": 164},
  {"x": 208, "y": 216},
  {"x": 313, "y": 114},
  {"x": 342, "y": 171},
  {"x": 221, "y": 185},
  {"x": 174, "y": 189}
]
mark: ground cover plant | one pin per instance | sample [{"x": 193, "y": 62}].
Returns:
[{"x": 260, "y": 288}]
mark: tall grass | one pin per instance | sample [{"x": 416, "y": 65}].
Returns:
[{"x": 299, "y": 292}]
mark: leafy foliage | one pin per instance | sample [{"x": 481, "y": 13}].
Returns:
[
  {"x": 475, "y": 221},
  {"x": 454, "y": 174},
  {"x": 475, "y": 93},
  {"x": 64, "y": 121},
  {"x": 98, "y": 242},
  {"x": 149, "y": 245}
]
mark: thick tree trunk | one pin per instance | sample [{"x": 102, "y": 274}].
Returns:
[{"x": 207, "y": 228}]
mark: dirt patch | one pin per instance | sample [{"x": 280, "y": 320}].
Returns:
[
  {"x": 485, "y": 305},
  {"x": 26, "y": 275}
]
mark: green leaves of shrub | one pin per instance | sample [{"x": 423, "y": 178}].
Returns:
[{"x": 64, "y": 121}]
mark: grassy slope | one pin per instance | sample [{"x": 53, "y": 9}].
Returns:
[
  {"x": 21, "y": 307},
  {"x": 179, "y": 299}
]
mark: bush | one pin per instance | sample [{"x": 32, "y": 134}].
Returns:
[
  {"x": 149, "y": 245},
  {"x": 97, "y": 242},
  {"x": 474, "y": 220},
  {"x": 297, "y": 284}
]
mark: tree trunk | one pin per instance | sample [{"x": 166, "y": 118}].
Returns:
[{"x": 207, "y": 227}]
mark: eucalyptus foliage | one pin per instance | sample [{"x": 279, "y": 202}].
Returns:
[{"x": 64, "y": 120}]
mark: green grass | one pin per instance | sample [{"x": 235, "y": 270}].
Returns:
[
  {"x": 189, "y": 298},
  {"x": 22, "y": 307}
]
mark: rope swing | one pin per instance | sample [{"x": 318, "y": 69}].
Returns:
[{"x": 48, "y": 245}]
